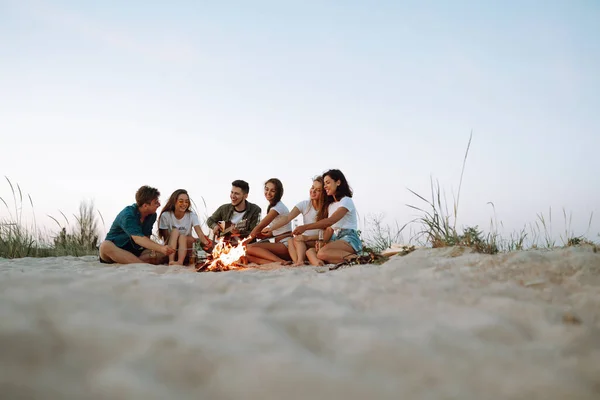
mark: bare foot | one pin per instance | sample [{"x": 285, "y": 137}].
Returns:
[
  {"x": 175, "y": 263},
  {"x": 286, "y": 263},
  {"x": 299, "y": 264}
]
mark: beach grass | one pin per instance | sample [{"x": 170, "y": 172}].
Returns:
[
  {"x": 21, "y": 238},
  {"x": 377, "y": 236},
  {"x": 437, "y": 223}
]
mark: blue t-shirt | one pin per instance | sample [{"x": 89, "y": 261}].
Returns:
[{"x": 127, "y": 224}]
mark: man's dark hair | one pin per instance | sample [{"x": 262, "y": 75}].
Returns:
[
  {"x": 242, "y": 185},
  {"x": 145, "y": 195}
]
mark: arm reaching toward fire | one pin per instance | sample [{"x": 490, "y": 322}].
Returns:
[
  {"x": 268, "y": 231},
  {"x": 206, "y": 242},
  {"x": 257, "y": 232},
  {"x": 147, "y": 243}
]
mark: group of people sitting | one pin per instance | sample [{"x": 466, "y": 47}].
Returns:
[{"x": 329, "y": 233}]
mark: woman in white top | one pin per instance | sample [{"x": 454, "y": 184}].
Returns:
[
  {"x": 312, "y": 210},
  {"x": 342, "y": 219},
  {"x": 175, "y": 224},
  {"x": 276, "y": 251}
]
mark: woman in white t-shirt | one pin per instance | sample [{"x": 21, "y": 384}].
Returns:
[
  {"x": 342, "y": 219},
  {"x": 276, "y": 251},
  {"x": 312, "y": 210},
  {"x": 175, "y": 224}
]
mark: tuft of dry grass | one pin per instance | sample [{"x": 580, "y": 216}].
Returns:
[
  {"x": 377, "y": 236},
  {"x": 82, "y": 239},
  {"x": 437, "y": 226},
  {"x": 19, "y": 239}
]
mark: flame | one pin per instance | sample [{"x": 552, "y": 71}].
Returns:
[{"x": 225, "y": 256}]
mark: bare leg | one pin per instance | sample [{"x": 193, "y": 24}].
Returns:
[
  {"x": 312, "y": 257},
  {"x": 292, "y": 250},
  {"x": 257, "y": 260},
  {"x": 173, "y": 240},
  {"x": 181, "y": 250},
  {"x": 110, "y": 252},
  {"x": 300, "y": 252},
  {"x": 264, "y": 253},
  {"x": 334, "y": 252}
]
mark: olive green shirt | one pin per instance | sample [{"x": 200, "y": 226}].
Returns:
[{"x": 225, "y": 212}]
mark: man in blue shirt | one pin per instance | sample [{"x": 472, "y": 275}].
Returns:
[{"x": 128, "y": 240}]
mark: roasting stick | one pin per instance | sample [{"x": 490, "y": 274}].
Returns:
[{"x": 281, "y": 236}]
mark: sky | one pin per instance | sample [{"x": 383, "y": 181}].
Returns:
[{"x": 99, "y": 98}]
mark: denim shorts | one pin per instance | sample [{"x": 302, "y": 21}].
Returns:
[{"x": 350, "y": 236}]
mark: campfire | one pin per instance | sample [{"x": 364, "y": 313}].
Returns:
[{"x": 225, "y": 257}]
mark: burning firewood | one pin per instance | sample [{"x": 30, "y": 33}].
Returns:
[{"x": 225, "y": 257}]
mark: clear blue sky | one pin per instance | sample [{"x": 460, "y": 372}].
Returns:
[{"x": 98, "y": 98}]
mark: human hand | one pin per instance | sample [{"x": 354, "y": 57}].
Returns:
[
  {"x": 216, "y": 229},
  {"x": 257, "y": 234},
  {"x": 299, "y": 230},
  {"x": 208, "y": 244},
  {"x": 166, "y": 250},
  {"x": 253, "y": 233},
  {"x": 267, "y": 232},
  {"x": 300, "y": 238}
]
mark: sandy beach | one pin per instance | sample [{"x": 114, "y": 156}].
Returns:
[{"x": 433, "y": 324}]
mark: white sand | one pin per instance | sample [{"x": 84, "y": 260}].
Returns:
[{"x": 433, "y": 324}]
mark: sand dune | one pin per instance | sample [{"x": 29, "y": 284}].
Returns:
[{"x": 434, "y": 324}]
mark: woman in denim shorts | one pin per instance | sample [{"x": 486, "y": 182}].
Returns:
[{"x": 342, "y": 218}]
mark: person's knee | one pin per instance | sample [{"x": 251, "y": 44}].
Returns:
[
  {"x": 322, "y": 255},
  {"x": 106, "y": 247}
]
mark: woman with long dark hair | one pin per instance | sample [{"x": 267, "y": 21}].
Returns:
[
  {"x": 342, "y": 218},
  {"x": 276, "y": 251},
  {"x": 175, "y": 224}
]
